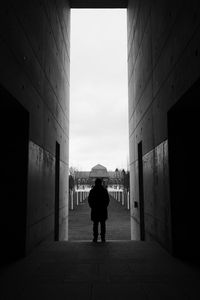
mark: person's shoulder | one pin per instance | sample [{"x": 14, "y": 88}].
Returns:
[
  {"x": 93, "y": 189},
  {"x": 105, "y": 190}
]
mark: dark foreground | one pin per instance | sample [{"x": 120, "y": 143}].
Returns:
[{"x": 114, "y": 270}]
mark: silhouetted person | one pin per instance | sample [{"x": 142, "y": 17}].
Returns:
[{"x": 98, "y": 200}]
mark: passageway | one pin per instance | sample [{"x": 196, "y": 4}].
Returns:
[
  {"x": 164, "y": 109},
  {"x": 118, "y": 223}
]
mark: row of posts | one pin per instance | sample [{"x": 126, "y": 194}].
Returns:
[
  {"x": 121, "y": 196},
  {"x": 76, "y": 197}
]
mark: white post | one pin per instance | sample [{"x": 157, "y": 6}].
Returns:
[
  {"x": 80, "y": 196},
  {"x": 77, "y": 198},
  {"x": 72, "y": 200},
  {"x": 128, "y": 202},
  {"x": 123, "y": 198}
]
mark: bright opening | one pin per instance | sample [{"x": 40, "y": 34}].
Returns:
[{"x": 98, "y": 91}]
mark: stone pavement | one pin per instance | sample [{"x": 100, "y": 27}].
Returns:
[
  {"x": 102, "y": 271},
  {"x": 118, "y": 223}
]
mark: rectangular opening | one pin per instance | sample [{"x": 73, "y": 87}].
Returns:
[
  {"x": 184, "y": 166},
  {"x": 141, "y": 192},
  {"x": 98, "y": 115},
  {"x": 14, "y": 124},
  {"x": 57, "y": 193}
]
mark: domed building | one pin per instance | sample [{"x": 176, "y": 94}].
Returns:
[{"x": 99, "y": 171}]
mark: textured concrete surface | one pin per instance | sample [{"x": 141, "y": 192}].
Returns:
[
  {"x": 114, "y": 270},
  {"x": 34, "y": 60},
  {"x": 163, "y": 63},
  {"x": 118, "y": 223},
  {"x": 98, "y": 4}
]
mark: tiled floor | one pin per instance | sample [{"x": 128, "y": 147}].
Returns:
[{"x": 114, "y": 270}]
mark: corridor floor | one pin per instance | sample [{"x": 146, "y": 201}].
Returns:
[
  {"x": 118, "y": 223},
  {"x": 112, "y": 270}
]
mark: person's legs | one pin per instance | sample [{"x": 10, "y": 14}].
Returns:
[
  {"x": 95, "y": 231},
  {"x": 103, "y": 230}
]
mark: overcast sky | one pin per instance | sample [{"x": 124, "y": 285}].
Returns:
[{"x": 98, "y": 92}]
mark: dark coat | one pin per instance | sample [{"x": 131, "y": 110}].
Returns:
[{"x": 98, "y": 200}]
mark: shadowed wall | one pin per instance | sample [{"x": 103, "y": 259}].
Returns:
[
  {"x": 34, "y": 62},
  {"x": 163, "y": 63}
]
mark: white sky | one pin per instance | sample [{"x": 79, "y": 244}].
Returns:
[{"x": 98, "y": 89}]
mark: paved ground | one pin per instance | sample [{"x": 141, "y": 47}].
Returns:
[
  {"x": 111, "y": 271},
  {"x": 118, "y": 223}
]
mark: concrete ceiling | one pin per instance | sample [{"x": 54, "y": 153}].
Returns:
[{"x": 98, "y": 3}]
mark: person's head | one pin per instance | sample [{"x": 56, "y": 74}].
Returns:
[{"x": 98, "y": 182}]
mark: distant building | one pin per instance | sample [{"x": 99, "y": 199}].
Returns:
[{"x": 99, "y": 171}]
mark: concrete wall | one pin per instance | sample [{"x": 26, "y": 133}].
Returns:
[
  {"x": 34, "y": 64},
  {"x": 98, "y": 3},
  {"x": 163, "y": 63}
]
